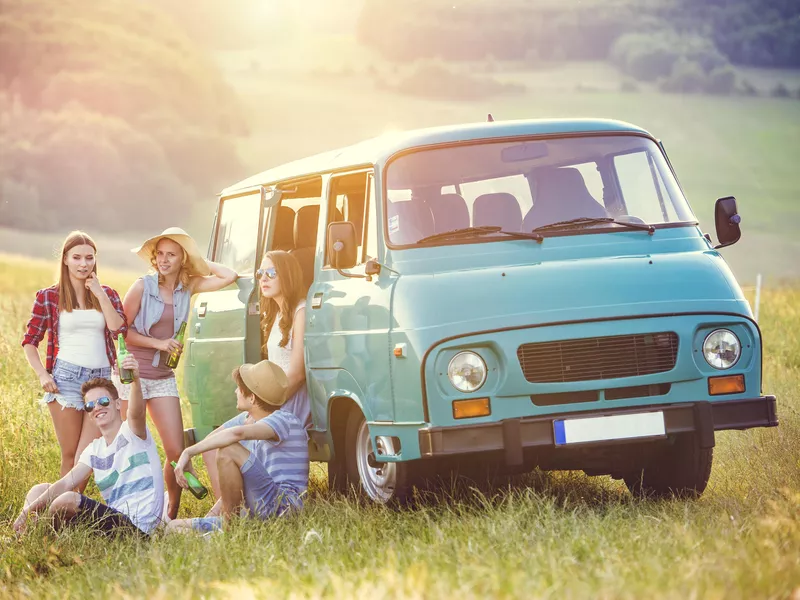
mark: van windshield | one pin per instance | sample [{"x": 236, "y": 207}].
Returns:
[{"x": 522, "y": 186}]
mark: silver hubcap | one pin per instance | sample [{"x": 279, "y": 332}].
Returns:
[{"x": 379, "y": 481}]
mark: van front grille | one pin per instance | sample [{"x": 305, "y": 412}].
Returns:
[{"x": 589, "y": 359}]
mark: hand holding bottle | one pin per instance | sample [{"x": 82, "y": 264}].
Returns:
[
  {"x": 130, "y": 363},
  {"x": 187, "y": 478},
  {"x": 169, "y": 345}
]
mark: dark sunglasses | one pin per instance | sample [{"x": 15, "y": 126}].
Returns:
[
  {"x": 89, "y": 406},
  {"x": 271, "y": 273}
]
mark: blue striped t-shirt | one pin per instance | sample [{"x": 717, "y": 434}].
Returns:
[
  {"x": 128, "y": 474},
  {"x": 285, "y": 459}
]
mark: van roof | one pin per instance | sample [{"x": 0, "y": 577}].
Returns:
[{"x": 377, "y": 150}]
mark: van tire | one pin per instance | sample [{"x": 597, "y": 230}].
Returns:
[
  {"x": 338, "y": 481},
  {"x": 389, "y": 483},
  {"x": 682, "y": 470}
]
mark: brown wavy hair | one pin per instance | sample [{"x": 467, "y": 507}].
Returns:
[
  {"x": 183, "y": 274},
  {"x": 67, "y": 296},
  {"x": 293, "y": 290}
]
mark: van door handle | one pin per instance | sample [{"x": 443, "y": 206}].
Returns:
[
  {"x": 316, "y": 301},
  {"x": 201, "y": 310}
]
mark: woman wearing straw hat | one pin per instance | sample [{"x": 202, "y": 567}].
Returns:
[{"x": 155, "y": 307}]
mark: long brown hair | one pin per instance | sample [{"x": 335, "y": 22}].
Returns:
[
  {"x": 293, "y": 291},
  {"x": 67, "y": 296},
  {"x": 183, "y": 274}
]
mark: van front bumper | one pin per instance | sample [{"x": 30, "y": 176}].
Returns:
[{"x": 514, "y": 435}]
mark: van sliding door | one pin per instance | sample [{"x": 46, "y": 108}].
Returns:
[{"x": 216, "y": 335}]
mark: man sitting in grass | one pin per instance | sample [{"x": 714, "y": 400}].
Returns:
[
  {"x": 262, "y": 454},
  {"x": 124, "y": 461}
]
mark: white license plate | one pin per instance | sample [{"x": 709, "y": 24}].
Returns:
[{"x": 614, "y": 427}]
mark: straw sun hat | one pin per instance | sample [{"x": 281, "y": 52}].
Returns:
[
  {"x": 195, "y": 264},
  {"x": 267, "y": 381}
]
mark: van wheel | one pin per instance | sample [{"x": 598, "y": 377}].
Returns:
[
  {"x": 338, "y": 481},
  {"x": 682, "y": 470},
  {"x": 381, "y": 482}
]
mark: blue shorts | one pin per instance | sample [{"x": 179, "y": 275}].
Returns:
[
  {"x": 69, "y": 378},
  {"x": 263, "y": 498}
]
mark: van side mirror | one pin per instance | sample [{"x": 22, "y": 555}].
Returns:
[
  {"x": 342, "y": 245},
  {"x": 727, "y": 220}
]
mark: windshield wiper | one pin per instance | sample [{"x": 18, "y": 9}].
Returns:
[
  {"x": 594, "y": 221},
  {"x": 478, "y": 231}
]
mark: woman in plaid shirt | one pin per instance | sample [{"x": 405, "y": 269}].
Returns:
[{"x": 82, "y": 318}]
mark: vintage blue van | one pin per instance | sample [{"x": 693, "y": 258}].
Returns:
[{"x": 504, "y": 295}]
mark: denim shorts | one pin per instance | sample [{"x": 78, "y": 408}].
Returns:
[{"x": 69, "y": 378}]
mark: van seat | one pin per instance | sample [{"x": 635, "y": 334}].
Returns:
[
  {"x": 283, "y": 238},
  {"x": 306, "y": 221},
  {"x": 561, "y": 194},
  {"x": 499, "y": 209},
  {"x": 449, "y": 212}
]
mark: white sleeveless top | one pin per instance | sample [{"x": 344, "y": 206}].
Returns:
[
  {"x": 300, "y": 403},
  {"x": 281, "y": 356},
  {"x": 82, "y": 338}
]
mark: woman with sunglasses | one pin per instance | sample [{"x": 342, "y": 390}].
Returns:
[
  {"x": 82, "y": 319},
  {"x": 283, "y": 303},
  {"x": 283, "y": 314},
  {"x": 156, "y": 306}
]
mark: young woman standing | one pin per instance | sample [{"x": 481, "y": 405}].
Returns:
[
  {"x": 155, "y": 306},
  {"x": 82, "y": 319}
]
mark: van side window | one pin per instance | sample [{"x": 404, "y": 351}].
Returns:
[
  {"x": 296, "y": 223},
  {"x": 237, "y": 234},
  {"x": 348, "y": 202}
]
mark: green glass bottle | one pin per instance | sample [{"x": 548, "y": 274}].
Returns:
[
  {"x": 198, "y": 490},
  {"x": 125, "y": 375},
  {"x": 175, "y": 355}
]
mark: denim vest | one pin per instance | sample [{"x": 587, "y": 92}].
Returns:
[{"x": 152, "y": 307}]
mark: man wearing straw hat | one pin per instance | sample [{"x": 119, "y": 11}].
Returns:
[
  {"x": 156, "y": 306},
  {"x": 262, "y": 454}
]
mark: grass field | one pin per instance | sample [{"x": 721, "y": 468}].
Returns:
[{"x": 546, "y": 535}]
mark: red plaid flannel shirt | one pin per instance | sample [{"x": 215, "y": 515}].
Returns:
[{"x": 44, "y": 318}]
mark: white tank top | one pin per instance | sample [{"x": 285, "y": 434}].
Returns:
[
  {"x": 82, "y": 338},
  {"x": 281, "y": 356}
]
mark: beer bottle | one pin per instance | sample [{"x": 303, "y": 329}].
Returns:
[
  {"x": 175, "y": 355},
  {"x": 125, "y": 375},
  {"x": 198, "y": 490}
]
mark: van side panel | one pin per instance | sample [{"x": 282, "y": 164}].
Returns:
[{"x": 349, "y": 332}]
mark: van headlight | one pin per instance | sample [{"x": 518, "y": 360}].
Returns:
[
  {"x": 467, "y": 372},
  {"x": 722, "y": 349}
]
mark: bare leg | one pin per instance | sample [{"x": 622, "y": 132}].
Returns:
[
  {"x": 210, "y": 460},
  {"x": 36, "y": 491},
  {"x": 166, "y": 414},
  {"x": 229, "y": 463},
  {"x": 89, "y": 433},
  {"x": 63, "y": 508},
  {"x": 68, "y": 423}
]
